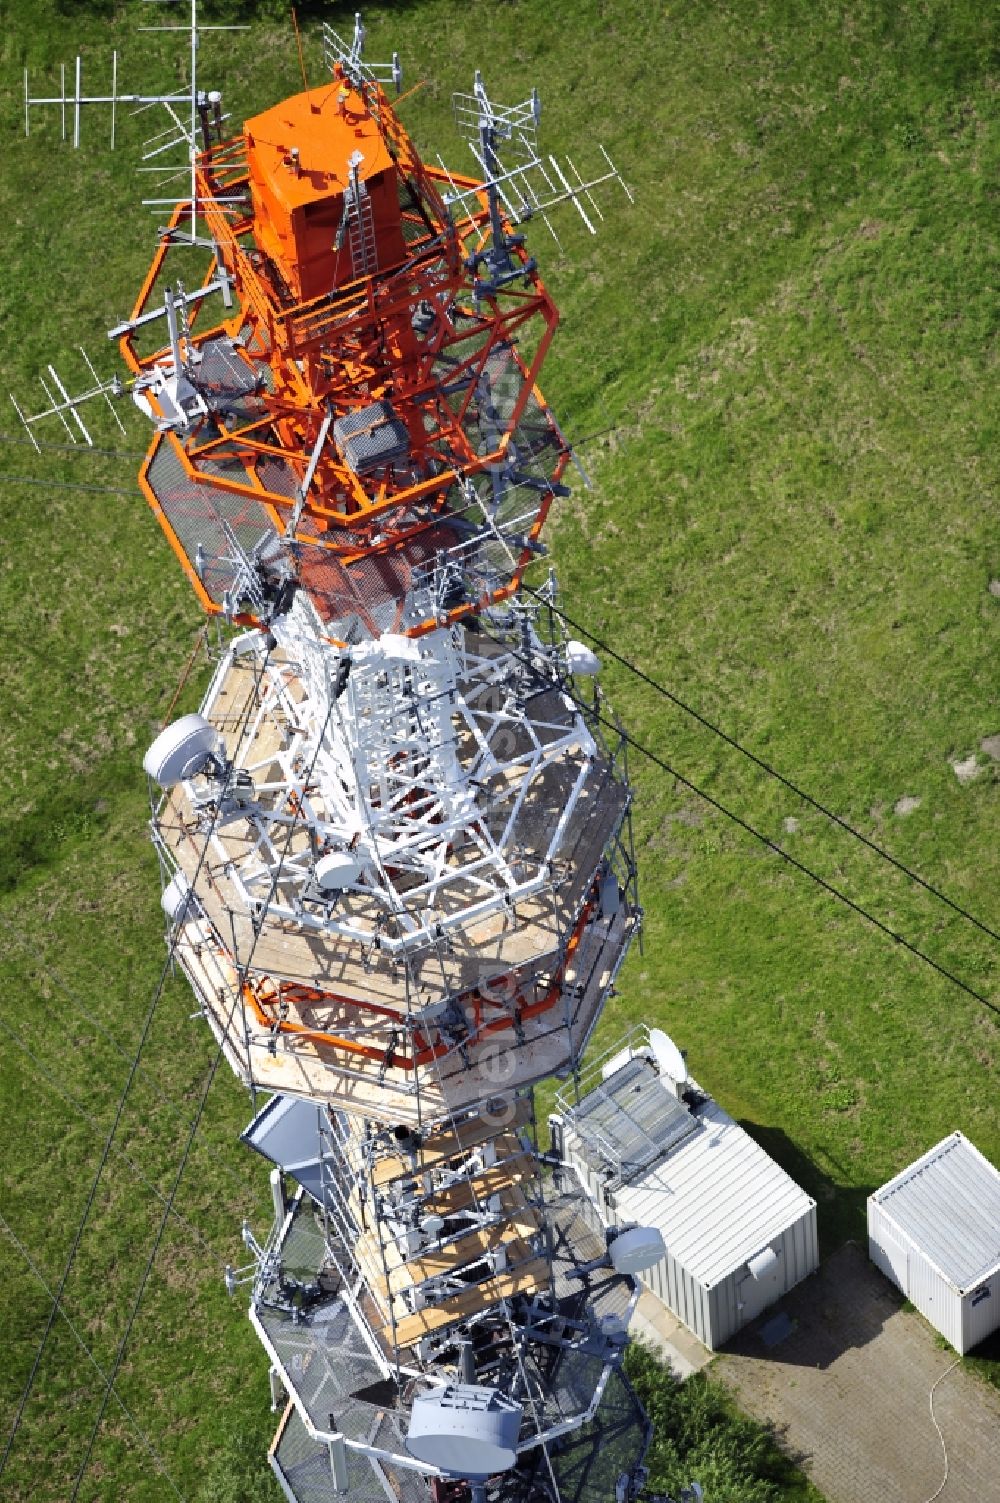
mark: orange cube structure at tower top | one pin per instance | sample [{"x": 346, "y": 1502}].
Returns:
[
  {"x": 365, "y": 424},
  {"x": 303, "y": 156}
]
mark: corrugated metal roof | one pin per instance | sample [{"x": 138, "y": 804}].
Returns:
[
  {"x": 948, "y": 1205},
  {"x": 717, "y": 1198}
]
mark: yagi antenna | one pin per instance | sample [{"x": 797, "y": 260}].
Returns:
[
  {"x": 169, "y": 379},
  {"x": 194, "y": 114},
  {"x": 504, "y": 141},
  {"x": 349, "y": 56},
  {"x": 65, "y": 407},
  {"x": 77, "y": 99},
  {"x": 515, "y": 124}
]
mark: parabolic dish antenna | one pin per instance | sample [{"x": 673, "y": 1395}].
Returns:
[
  {"x": 181, "y": 750},
  {"x": 637, "y": 1250},
  {"x": 178, "y": 901},
  {"x": 667, "y": 1055},
  {"x": 465, "y": 1430},
  {"x": 338, "y": 869}
]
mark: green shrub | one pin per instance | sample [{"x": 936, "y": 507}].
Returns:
[{"x": 700, "y": 1437}]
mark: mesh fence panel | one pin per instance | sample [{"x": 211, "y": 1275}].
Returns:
[
  {"x": 372, "y": 594},
  {"x": 303, "y": 1464},
  {"x": 278, "y": 476},
  {"x": 588, "y": 1462},
  {"x": 229, "y": 384},
  {"x": 326, "y": 1362},
  {"x": 198, "y": 516}
]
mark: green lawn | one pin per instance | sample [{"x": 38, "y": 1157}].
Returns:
[{"x": 792, "y": 339}]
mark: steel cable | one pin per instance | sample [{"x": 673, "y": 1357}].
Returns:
[
  {"x": 144, "y": 1439},
  {"x": 657, "y": 760},
  {"x": 766, "y": 767},
  {"x": 106, "y": 1152},
  {"x": 242, "y": 971}
]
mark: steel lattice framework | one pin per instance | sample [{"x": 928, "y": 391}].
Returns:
[{"x": 395, "y": 838}]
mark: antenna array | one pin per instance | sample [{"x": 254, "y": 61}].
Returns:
[
  {"x": 194, "y": 114},
  {"x": 414, "y": 883},
  {"x": 63, "y": 406},
  {"x": 348, "y": 56},
  {"x": 518, "y": 179}
]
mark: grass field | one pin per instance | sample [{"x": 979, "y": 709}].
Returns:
[{"x": 788, "y": 350}]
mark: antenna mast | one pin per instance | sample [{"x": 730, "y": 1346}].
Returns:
[
  {"x": 202, "y": 109},
  {"x": 398, "y": 865}
]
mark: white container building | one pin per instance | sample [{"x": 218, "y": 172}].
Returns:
[
  {"x": 652, "y": 1149},
  {"x": 934, "y": 1230}
]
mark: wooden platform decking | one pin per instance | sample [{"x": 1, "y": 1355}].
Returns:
[
  {"x": 503, "y": 941},
  {"x": 421, "y": 1282},
  {"x": 432, "y": 1092},
  {"x": 477, "y": 1188},
  {"x": 449, "y": 1144},
  {"x": 511, "y": 1233},
  {"x": 525, "y": 1279}
]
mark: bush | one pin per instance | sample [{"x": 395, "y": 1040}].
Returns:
[{"x": 699, "y": 1436}]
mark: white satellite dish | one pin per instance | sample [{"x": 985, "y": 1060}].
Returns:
[
  {"x": 638, "y": 1249},
  {"x": 181, "y": 750},
  {"x": 465, "y": 1430},
  {"x": 667, "y": 1056},
  {"x": 178, "y": 900},
  {"x": 432, "y": 1225},
  {"x": 338, "y": 869},
  {"x": 581, "y": 661}
]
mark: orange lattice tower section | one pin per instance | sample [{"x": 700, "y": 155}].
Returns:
[{"x": 372, "y": 400}]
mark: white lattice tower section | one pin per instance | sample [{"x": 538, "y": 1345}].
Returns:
[
  {"x": 405, "y": 763},
  {"x": 398, "y": 717}
]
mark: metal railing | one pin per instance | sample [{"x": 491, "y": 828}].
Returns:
[{"x": 623, "y": 1156}]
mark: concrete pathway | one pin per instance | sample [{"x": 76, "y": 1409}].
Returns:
[
  {"x": 847, "y": 1392},
  {"x": 657, "y": 1327}
]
